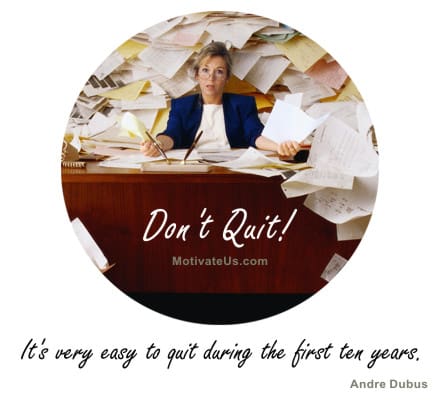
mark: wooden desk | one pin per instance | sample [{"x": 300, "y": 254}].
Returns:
[{"x": 115, "y": 206}]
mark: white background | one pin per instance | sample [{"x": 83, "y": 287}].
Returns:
[{"x": 387, "y": 296}]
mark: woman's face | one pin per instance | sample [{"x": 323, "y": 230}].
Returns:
[{"x": 212, "y": 77}]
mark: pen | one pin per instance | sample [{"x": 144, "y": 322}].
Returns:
[
  {"x": 157, "y": 145},
  {"x": 193, "y": 145}
]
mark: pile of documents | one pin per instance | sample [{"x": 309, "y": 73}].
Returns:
[{"x": 301, "y": 92}]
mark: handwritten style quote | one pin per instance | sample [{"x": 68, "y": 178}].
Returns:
[{"x": 238, "y": 355}]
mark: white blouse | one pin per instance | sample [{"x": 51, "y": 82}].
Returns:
[{"x": 214, "y": 131}]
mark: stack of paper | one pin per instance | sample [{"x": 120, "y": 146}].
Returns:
[{"x": 270, "y": 61}]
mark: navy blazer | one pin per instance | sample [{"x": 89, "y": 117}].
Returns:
[{"x": 241, "y": 120}]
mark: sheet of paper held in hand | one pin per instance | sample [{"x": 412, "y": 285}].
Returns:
[{"x": 289, "y": 122}]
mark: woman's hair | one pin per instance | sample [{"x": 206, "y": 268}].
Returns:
[{"x": 213, "y": 49}]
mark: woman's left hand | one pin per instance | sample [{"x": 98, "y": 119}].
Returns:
[{"x": 288, "y": 148}]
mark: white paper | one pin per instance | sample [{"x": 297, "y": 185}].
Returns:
[
  {"x": 227, "y": 30},
  {"x": 252, "y": 158},
  {"x": 166, "y": 61},
  {"x": 354, "y": 229},
  {"x": 288, "y": 122},
  {"x": 295, "y": 99},
  {"x": 180, "y": 84},
  {"x": 345, "y": 111},
  {"x": 217, "y": 156},
  {"x": 336, "y": 146},
  {"x": 266, "y": 172},
  {"x": 363, "y": 119},
  {"x": 109, "y": 65},
  {"x": 100, "y": 123},
  {"x": 146, "y": 101},
  {"x": 243, "y": 62},
  {"x": 262, "y": 49},
  {"x": 339, "y": 205},
  {"x": 336, "y": 263},
  {"x": 311, "y": 180},
  {"x": 266, "y": 71},
  {"x": 135, "y": 160},
  {"x": 89, "y": 244},
  {"x": 146, "y": 116},
  {"x": 185, "y": 35},
  {"x": 298, "y": 82},
  {"x": 132, "y": 126}
]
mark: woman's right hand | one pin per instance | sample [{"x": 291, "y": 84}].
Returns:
[{"x": 149, "y": 149}]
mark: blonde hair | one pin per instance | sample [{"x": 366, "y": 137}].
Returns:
[{"x": 213, "y": 49}]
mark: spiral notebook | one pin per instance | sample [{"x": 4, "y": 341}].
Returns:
[{"x": 73, "y": 164}]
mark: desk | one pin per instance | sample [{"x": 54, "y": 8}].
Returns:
[{"x": 115, "y": 206}]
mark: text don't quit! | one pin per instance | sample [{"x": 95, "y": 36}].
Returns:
[{"x": 237, "y": 229}]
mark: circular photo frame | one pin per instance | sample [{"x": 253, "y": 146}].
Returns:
[{"x": 219, "y": 167}]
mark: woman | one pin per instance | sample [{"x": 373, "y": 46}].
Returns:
[{"x": 227, "y": 120}]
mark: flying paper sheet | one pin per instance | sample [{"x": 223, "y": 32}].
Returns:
[
  {"x": 297, "y": 82},
  {"x": 346, "y": 111},
  {"x": 333, "y": 267},
  {"x": 339, "y": 205},
  {"x": 354, "y": 229},
  {"x": 311, "y": 180},
  {"x": 288, "y": 122},
  {"x": 89, "y": 245},
  {"x": 338, "y": 147}
]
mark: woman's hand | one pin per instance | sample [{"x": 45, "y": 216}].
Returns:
[
  {"x": 288, "y": 148},
  {"x": 149, "y": 149}
]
